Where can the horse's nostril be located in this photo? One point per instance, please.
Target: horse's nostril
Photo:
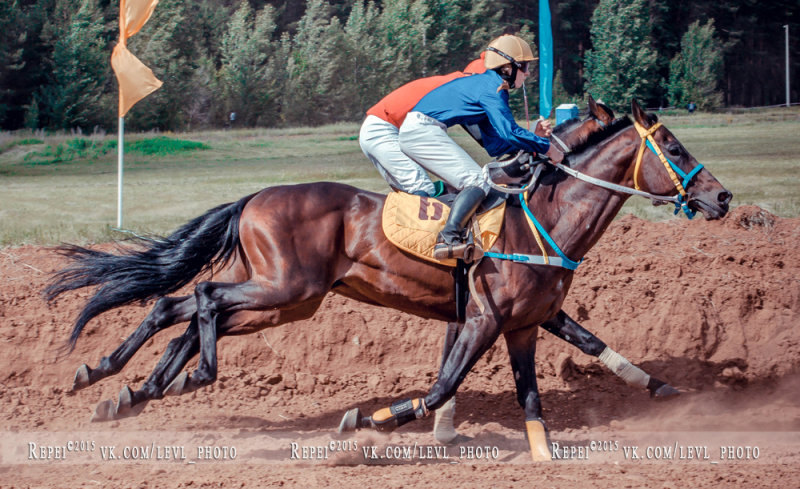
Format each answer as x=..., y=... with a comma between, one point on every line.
x=724, y=197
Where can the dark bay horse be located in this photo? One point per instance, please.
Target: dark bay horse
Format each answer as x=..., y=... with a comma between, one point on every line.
x=277, y=253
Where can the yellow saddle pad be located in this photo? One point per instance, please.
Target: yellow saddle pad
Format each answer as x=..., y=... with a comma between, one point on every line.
x=412, y=223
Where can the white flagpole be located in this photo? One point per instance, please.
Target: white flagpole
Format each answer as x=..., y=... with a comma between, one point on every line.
x=120, y=152
x=788, y=101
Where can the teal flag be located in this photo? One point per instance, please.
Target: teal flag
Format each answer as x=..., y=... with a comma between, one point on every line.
x=545, y=60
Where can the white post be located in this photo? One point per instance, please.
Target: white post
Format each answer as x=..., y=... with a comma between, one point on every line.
x=786, y=28
x=120, y=152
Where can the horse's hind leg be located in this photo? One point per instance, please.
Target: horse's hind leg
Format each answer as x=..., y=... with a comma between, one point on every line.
x=130, y=403
x=213, y=299
x=301, y=294
x=166, y=312
x=573, y=333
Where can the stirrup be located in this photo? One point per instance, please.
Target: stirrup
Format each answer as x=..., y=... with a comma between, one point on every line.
x=465, y=251
x=443, y=251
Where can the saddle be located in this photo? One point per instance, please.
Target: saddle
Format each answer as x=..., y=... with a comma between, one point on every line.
x=412, y=223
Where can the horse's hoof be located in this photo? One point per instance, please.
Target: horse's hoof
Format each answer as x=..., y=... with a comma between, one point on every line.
x=177, y=386
x=81, y=380
x=351, y=421
x=666, y=391
x=125, y=406
x=125, y=400
x=537, y=440
x=444, y=430
x=104, y=411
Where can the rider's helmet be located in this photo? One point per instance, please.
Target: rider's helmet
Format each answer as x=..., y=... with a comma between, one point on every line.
x=509, y=49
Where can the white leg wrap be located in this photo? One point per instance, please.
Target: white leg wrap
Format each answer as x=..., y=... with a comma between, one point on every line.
x=443, y=428
x=622, y=367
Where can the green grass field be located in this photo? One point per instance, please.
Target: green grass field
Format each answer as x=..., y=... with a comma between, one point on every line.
x=63, y=188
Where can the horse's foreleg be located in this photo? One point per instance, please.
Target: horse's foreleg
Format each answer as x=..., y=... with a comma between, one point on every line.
x=522, y=352
x=444, y=429
x=573, y=333
x=166, y=312
x=478, y=334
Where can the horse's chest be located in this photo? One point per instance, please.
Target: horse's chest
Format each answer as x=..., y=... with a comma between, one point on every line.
x=538, y=300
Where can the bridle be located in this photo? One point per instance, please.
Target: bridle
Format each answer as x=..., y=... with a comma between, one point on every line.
x=682, y=200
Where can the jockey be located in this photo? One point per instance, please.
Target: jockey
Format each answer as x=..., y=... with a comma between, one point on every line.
x=480, y=100
x=379, y=132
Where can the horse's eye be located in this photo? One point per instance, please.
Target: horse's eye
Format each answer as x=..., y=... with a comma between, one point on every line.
x=674, y=150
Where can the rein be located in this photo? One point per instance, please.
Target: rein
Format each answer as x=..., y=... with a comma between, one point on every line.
x=680, y=200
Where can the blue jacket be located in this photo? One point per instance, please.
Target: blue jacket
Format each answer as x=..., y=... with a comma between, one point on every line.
x=475, y=100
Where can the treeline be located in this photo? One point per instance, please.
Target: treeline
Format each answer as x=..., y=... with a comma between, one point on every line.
x=283, y=63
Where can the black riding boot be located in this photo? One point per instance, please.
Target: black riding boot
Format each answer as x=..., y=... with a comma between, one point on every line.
x=450, y=243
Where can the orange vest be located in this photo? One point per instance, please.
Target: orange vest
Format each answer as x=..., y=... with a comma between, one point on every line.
x=394, y=107
x=476, y=67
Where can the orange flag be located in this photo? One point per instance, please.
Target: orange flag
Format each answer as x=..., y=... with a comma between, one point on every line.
x=134, y=14
x=136, y=81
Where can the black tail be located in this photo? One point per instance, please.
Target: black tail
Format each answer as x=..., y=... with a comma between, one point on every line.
x=160, y=268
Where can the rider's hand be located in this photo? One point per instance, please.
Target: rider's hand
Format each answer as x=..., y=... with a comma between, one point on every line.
x=555, y=154
x=543, y=128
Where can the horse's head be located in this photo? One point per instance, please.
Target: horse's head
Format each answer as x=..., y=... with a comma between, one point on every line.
x=663, y=166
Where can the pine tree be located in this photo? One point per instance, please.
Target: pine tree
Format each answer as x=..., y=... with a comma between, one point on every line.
x=571, y=39
x=167, y=45
x=245, y=49
x=314, y=92
x=12, y=39
x=695, y=72
x=405, y=28
x=367, y=61
x=74, y=95
x=465, y=27
x=621, y=65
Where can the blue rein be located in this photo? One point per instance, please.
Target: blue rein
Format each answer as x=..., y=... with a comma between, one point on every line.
x=564, y=261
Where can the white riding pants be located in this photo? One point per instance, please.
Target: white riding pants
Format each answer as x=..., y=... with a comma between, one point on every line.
x=379, y=142
x=425, y=140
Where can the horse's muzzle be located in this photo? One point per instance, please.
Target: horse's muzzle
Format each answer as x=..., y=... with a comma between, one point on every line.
x=713, y=205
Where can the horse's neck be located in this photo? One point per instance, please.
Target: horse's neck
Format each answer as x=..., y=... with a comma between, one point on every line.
x=577, y=213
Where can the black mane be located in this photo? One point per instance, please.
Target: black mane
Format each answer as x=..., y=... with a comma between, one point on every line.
x=616, y=126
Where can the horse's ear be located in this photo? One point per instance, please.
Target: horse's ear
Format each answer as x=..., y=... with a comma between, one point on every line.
x=639, y=115
x=600, y=111
x=592, y=105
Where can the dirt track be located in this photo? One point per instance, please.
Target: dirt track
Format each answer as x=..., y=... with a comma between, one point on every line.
x=711, y=307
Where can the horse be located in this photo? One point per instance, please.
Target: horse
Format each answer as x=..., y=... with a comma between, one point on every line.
x=164, y=380
x=277, y=253
x=165, y=314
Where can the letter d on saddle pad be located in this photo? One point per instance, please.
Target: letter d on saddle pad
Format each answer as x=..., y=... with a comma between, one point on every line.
x=411, y=223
